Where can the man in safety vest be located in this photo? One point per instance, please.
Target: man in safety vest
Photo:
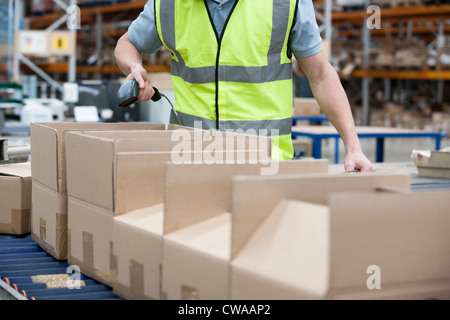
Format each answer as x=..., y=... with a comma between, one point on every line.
x=232, y=66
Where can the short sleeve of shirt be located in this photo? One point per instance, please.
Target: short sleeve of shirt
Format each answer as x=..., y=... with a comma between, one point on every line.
x=142, y=31
x=305, y=36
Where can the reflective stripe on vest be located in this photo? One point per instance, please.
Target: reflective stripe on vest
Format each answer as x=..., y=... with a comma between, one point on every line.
x=237, y=80
x=264, y=127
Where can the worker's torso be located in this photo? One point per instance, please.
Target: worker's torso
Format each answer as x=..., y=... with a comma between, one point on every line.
x=240, y=78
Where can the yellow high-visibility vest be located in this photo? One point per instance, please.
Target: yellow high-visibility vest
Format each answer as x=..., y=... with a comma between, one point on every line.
x=241, y=79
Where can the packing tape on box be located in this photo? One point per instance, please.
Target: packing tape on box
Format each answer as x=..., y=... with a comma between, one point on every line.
x=61, y=235
x=134, y=290
x=188, y=293
x=42, y=229
x=59, y=250
x=113, y=263
x=88, y=261
x=6, y=228
x=161, y=293
x=69, y=243
x=88, y=251
x=20, y=222
x=136, y=279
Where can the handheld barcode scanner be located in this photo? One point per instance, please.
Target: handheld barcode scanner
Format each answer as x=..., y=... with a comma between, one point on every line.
x=128, y=94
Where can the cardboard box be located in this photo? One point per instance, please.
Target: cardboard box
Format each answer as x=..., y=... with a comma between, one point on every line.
x=359, y=245
x=116, y=173
x=48, y=168
x=200, y=231
x=248, y=192
x=196, y=261
x=145, y=225
x=138, y=250
x=435, y=164
x=306, y=107
x=48, y=147
x=197, y=224
x=89, y=241
x=145, y=193
x=15, y=198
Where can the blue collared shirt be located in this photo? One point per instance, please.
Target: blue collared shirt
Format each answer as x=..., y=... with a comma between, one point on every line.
x=305, y=39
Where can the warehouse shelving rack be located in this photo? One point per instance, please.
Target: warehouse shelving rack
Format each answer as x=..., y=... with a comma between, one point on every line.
x=427, y=21
x=18, y=59
x=93, y=20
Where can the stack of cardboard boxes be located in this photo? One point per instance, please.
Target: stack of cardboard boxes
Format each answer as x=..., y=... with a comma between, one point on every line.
x=144, y=209
x=49, y=188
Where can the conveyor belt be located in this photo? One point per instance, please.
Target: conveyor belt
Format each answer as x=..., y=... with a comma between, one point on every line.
x=419, y=183
x=23, y=264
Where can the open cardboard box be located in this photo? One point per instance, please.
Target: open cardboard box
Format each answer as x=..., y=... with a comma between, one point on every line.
x=49, y=183
x=122, y=173
x=137, y=238
x=197, y=225
x=388, y=244
x=182, y=194
x=15, y=198
x=199, y=221
x=112, y=173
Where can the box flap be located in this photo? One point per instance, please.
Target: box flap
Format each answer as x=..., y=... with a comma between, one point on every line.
x=80, y=126
x=210, y=236
x=90, y=169
x=405, y=235
x=145, y=219
x=48, y=147
x=140, y=180
x=44, y=152
x=22, y=170
x=291, y=247
x=261, y=194
x=196, y=192
x=128, y=134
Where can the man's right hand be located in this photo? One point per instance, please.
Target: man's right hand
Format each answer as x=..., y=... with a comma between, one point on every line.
x=146, y=90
